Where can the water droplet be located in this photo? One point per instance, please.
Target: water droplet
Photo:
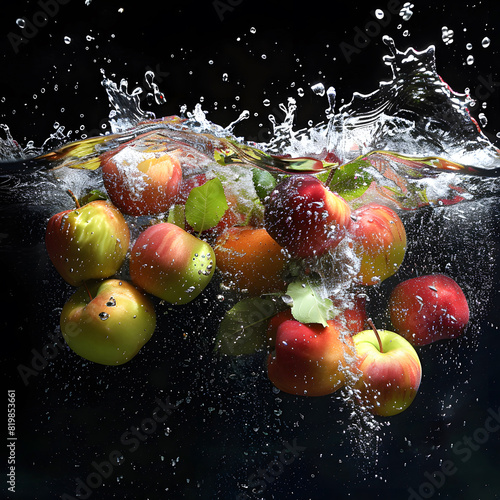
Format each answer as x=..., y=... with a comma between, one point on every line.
x=67, y=40
x=253, y=30
x=379, y=14
x=225, y=77
x=263, y=56
x=483, y=121
x=21, y=22
x=300, y=92
x=447, y=35
x=406, y=12
x=486, y=42
x=470, y=60
x=318, y=89
x=191, y=289
x=104, y=316
x=469, y=46
x=266, y=102
x=111, y=302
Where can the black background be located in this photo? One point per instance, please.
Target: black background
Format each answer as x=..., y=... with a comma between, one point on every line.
x=230, y=423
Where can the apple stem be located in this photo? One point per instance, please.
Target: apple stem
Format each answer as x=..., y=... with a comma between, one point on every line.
x=88, y=291
x=330, y=176
x=370, y=322
x=75, y=199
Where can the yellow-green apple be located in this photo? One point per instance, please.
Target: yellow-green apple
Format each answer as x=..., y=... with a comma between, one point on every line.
x=88, y=242
x=171, y=264
x=428, y=308
x=305, y=217
x=390, y=372
x=379, y=241
x=309, y=359
x=142, y=186
x=107, y=322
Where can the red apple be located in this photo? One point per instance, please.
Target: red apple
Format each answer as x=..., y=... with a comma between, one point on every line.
x=428, y=308
x=379, y=240
x=139, y=185
x=88, y=242
x=390, y=372
x=108, y=321
x=353, y=318
x=309, y=360
x=305, y=217
x=273, y=325
x=171, y=264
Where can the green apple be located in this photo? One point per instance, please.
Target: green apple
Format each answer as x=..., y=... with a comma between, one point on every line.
x=88, y=242
x=390, y=371
x=107, y=322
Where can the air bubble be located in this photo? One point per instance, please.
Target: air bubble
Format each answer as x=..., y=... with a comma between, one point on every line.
x=104, y=316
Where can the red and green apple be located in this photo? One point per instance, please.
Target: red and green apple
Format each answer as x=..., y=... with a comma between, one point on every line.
x=89, y=242
x=390, y=372
x=171, y=263
x=309, y=359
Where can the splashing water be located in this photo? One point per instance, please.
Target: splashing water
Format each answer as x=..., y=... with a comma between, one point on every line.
x=415, y=113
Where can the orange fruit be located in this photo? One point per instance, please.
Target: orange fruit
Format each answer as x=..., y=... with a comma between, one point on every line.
x=250, y=259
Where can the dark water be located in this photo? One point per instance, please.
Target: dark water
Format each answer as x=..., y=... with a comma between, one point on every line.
x=228, y=424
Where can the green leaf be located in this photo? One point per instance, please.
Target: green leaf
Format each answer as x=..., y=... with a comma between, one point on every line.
x=263, y=183
x=92, y=195
x=176, y=215
x=350, y=180
x=243, y=329
x=206, y=205
x=308, y=304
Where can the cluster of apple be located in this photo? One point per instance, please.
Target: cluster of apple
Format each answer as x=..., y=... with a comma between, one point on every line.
x=314, y=349
x=307, y=220
x=108, y=320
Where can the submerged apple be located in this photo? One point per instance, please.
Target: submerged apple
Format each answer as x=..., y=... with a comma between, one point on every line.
x=108, y=322
x=88, y=242
x=142, y=186
x=171, y=264
x=309, y=360
x=390, y=371
x=305, y=217
x=379, y=240
x=428, y=308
